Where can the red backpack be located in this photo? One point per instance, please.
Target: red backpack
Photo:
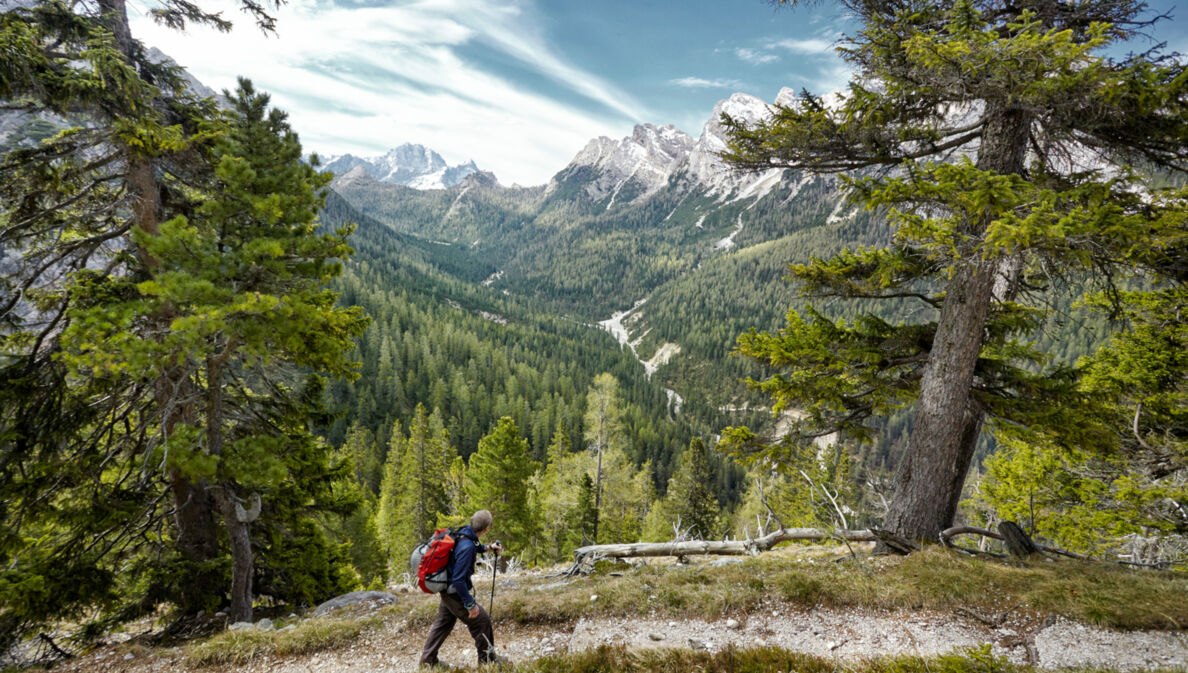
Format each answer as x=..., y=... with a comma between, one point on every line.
x=432, y=559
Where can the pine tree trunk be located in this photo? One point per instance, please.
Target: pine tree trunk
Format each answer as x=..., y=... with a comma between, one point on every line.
x=947, y=420
x=234, y=520
x=197, y=542
x=241, y=558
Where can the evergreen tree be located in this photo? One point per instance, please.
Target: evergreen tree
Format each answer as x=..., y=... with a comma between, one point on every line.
x=627, y=492
x=690, y=501
x=498, y=478
x=455, y=488
x=70, y=481
x=243, y=279
x=1125, y=494
x=359, y=530
x=989, y=113
x=557, y=494
x=423, y=471
x=392, y=487
x=579, y=521
x=363, y=450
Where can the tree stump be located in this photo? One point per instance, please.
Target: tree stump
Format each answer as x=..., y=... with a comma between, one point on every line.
x=893, y=543
x=1018, y=543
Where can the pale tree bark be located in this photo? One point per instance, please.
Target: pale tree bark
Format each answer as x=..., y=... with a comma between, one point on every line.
x=235, y=520
x=719, y=547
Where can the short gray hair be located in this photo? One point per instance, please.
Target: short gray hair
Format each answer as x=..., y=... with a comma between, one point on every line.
x=480, y=520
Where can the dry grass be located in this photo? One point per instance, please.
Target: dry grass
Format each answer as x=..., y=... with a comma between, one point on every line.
x=759, y=660
x=311, y=635
x=935, y=579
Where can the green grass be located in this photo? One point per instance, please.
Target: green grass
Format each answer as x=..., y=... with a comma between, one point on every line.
x=607, y=659
x=311, y=635
x=934, y=579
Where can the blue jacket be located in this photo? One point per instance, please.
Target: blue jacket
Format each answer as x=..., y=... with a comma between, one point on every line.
x=461, y=565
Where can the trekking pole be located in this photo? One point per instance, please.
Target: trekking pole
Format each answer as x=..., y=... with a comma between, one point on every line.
x=494, y=571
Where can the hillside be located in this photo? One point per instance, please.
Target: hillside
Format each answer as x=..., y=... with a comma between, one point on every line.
x=799, y=608
x=654, y=221
x=476, y=353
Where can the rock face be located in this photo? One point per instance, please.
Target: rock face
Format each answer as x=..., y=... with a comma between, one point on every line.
x=411, y=165
x=654, y=157
x=703, y=165
x=192, y=83
x=637, y=165
x=339, y=602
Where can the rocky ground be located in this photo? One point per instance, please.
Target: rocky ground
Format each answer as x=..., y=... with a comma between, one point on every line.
x=844, y=634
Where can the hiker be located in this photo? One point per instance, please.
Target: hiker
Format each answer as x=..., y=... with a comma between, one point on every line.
x=457, y=601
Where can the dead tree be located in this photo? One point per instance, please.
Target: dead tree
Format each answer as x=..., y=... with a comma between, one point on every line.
x=592, y=553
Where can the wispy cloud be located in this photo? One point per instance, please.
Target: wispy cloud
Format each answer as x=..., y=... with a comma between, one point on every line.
x=700, y=83
x=772, y=50
x=810, y=46
x=756, y=56
x=363, y=79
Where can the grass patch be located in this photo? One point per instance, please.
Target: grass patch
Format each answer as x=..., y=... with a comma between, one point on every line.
x=311, y=635
x=758, y=660
x=934, y=579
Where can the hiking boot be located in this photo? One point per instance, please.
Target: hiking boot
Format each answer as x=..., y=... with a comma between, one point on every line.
x=436, y=666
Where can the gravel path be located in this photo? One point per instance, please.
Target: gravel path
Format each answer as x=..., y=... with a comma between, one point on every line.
x=843, y=634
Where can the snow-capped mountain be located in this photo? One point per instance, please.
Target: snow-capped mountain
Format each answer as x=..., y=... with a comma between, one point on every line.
x=644, y=161
x=635, y=167
x=703, y=165
x=411, y=165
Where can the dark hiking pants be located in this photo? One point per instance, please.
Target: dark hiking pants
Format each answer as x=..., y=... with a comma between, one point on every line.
x=449, y=612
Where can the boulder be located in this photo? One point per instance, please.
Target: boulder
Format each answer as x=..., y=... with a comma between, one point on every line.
x=353, y=598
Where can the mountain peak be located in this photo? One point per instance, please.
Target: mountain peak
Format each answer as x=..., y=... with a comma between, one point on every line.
x=642, y=162
x=409, y=164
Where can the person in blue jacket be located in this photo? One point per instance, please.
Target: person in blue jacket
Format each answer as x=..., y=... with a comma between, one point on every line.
x=457, y=601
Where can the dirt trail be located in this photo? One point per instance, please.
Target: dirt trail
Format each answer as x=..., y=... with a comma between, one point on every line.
x=844, y=634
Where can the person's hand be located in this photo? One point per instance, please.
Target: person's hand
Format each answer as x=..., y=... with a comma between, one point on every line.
x=497, y=548
x=474, y=612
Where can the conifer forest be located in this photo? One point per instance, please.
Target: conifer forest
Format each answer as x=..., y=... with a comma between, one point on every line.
x=237, y=375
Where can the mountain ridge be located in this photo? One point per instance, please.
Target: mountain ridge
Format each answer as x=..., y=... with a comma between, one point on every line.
x=409, y=164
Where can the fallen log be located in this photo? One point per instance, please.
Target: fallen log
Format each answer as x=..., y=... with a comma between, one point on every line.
x=948, y=534
x=715, y=547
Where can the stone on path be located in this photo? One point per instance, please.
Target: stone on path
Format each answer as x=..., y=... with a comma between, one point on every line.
x=339, y=602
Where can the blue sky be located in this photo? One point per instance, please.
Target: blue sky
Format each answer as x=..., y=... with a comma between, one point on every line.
x=519, y=86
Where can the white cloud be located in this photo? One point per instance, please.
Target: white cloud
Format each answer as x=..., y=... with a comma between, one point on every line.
x=808, y=47
x=363, y=79
x=755, y=56
x=769, y=52
x=699, y=83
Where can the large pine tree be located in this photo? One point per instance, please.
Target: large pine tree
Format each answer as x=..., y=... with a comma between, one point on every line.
x=498, y=478
x=132, y=156
x=243, y=281
x=996, y=137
